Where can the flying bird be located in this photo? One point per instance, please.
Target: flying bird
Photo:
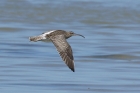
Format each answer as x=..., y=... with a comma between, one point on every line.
x=58, y=38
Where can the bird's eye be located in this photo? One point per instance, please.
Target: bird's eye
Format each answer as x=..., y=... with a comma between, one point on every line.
x=71, y=32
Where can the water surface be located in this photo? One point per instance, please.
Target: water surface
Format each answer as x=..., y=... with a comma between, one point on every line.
x=106, y=61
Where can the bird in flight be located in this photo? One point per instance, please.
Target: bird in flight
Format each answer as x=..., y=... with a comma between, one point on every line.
x=58, y=38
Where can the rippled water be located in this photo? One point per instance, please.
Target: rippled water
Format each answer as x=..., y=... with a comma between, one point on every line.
x=106, y=61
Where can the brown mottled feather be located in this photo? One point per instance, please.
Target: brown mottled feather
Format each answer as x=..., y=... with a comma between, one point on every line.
x=64, y=50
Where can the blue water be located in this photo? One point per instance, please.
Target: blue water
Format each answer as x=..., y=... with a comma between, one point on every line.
x=106, y=61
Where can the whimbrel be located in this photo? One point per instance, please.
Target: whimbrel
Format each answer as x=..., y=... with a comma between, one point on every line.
x=58, y=37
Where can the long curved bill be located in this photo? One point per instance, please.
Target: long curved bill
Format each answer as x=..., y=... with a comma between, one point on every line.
x=79, y=35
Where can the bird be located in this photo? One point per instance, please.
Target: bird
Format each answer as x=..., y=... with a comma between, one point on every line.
x=58, y=38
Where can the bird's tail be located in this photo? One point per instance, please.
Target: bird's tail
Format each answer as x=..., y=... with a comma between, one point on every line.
x=36, y=38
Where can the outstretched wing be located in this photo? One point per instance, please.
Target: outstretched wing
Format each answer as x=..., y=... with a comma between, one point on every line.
x=64, y=50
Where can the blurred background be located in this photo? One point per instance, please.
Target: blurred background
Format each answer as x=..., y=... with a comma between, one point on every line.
x=106, y=61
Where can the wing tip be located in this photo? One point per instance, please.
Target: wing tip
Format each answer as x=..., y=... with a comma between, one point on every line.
x=72, y=69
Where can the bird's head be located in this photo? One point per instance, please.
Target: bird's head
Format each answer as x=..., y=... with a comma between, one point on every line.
x=74, y=34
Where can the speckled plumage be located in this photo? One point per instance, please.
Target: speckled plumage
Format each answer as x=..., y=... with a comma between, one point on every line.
x=58, y=37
